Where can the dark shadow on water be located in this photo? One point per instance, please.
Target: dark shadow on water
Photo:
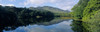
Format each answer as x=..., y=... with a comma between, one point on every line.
x=81, y=26
x=77, y=26
x=11, y=22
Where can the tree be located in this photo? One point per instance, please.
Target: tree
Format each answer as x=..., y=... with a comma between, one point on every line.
x=79, y=8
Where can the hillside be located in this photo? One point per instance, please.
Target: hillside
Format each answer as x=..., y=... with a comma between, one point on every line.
x=89, y=12
x=57, y=12
x=53, y=9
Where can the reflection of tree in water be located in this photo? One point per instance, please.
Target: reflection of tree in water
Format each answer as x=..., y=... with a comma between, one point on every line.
x=92, y=27
x=7, y=19
x=78, y=27
x=33, y=21
x=54, y=21
x=13, y=17
x=11, y=22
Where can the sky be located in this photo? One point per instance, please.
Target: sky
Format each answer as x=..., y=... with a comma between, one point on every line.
x=62, y=4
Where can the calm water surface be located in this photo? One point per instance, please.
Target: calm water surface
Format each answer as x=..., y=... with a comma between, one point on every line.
x=46, y=25
x=55, y=25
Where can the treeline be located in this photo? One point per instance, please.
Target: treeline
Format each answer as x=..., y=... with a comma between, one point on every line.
x=15, y=16
x=26, y=12
x=89, y=12
x=77, y=10
x=86, y=10
x=56, y=11
x=10, y=14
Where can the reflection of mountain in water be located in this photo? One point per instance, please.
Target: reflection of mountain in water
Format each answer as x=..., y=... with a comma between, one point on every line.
x=12, y=25
x=54, y=21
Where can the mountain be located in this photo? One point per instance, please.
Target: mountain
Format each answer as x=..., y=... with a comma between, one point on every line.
x=57, y=12
x=53, y=9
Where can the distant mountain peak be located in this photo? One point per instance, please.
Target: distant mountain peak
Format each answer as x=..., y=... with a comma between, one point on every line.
x=52, y=9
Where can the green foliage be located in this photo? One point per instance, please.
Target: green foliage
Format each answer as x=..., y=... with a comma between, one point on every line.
x=77, y=26
x=93, y=26
x=91, y=15
x=14, y=17
x=11, y=14
x=79, y=8
x=85, y=9
x=91, y=9
x=57, y=12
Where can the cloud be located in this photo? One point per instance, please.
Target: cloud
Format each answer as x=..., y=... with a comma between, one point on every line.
x=65, y=4
x=1, y=4
x=7, y=4
x=11, y=0
x=62, y=4
x=35, y=2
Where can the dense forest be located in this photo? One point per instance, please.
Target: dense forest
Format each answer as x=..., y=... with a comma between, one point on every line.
x=89, y=12
x=78, y=9
x=56, y=11
x=13, y=15
x=86, y=10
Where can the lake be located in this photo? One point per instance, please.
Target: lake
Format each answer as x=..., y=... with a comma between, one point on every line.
x=48, y=25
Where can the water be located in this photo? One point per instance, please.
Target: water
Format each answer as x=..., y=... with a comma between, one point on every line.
x=49, y=25
x=63, y=26
x=40, y=25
